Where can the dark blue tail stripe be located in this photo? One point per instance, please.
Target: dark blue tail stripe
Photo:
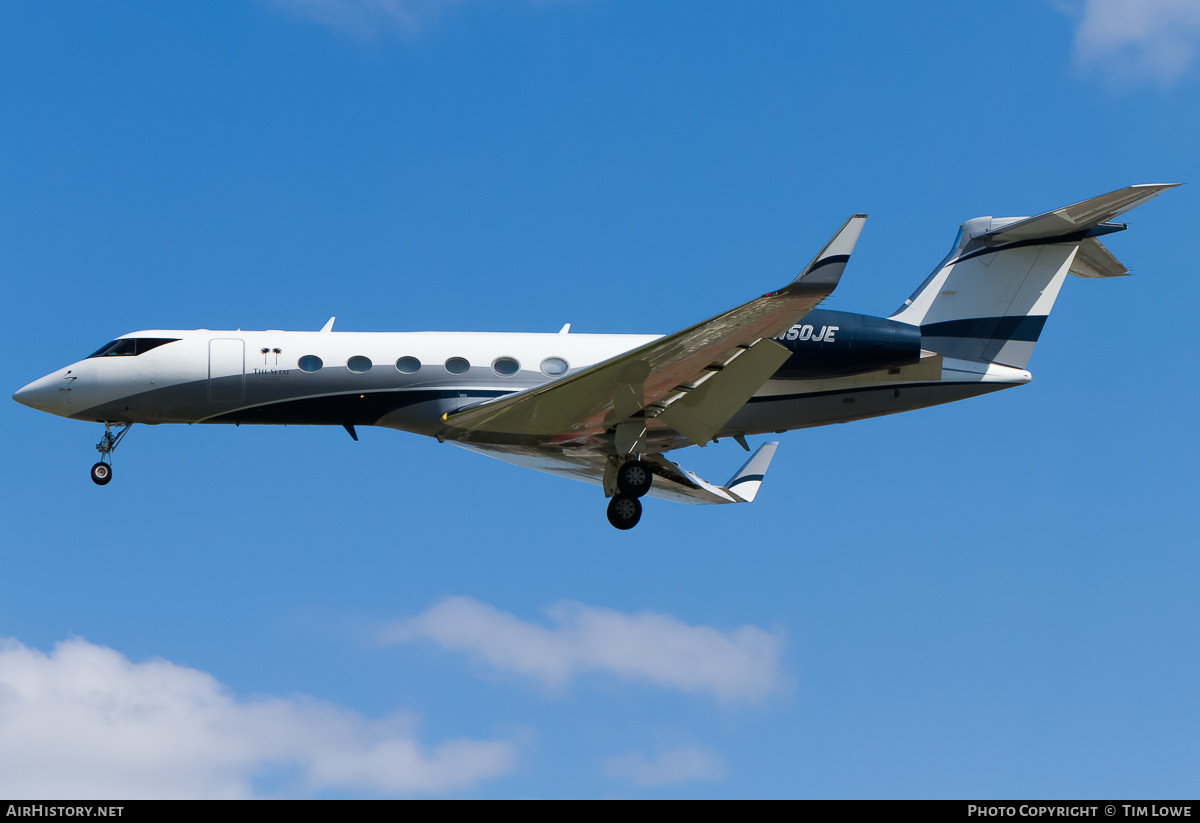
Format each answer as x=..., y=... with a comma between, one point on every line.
x=1028, y=327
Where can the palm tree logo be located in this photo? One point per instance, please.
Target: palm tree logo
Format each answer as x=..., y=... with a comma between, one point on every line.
x=265, y=352
x=277, y=351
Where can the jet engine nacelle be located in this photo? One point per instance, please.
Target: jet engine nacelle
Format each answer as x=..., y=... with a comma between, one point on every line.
x=834, y=344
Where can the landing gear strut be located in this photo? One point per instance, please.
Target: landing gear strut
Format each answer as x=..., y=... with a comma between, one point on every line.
x=633, y=480
x=102, y=471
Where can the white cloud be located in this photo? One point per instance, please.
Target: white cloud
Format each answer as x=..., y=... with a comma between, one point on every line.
x=1136, y=40
x=742, y=664
x=680, y=765
x=368, y=18
x=85, y=721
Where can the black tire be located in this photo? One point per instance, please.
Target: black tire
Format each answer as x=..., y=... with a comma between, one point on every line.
x=101, y=474
x=624, y=511
x=634, y=478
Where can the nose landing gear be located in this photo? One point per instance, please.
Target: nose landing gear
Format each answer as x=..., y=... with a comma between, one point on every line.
x=102, y=471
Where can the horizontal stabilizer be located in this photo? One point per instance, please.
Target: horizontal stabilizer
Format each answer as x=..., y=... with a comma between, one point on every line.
x=1075, y=218
x=1093, y=260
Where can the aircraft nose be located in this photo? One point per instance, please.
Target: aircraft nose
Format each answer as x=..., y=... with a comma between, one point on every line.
x=42, y=394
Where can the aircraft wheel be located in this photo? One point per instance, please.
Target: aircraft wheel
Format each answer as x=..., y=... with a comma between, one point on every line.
x=624, y=511
x=634, y=478
x=101, y=474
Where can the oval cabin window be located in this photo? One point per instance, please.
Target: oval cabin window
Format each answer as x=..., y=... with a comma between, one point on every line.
x=554, y=366
x=506, y=366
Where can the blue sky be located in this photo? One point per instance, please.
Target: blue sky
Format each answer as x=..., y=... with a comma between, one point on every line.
x=989, y=599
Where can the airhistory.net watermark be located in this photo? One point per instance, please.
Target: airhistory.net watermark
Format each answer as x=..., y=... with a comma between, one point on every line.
x=42, y=810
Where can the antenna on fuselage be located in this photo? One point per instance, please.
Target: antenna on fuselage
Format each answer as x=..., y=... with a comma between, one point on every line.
x=329, y=325
x=566, y=328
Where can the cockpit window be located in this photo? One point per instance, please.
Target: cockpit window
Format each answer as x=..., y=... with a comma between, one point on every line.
x=116, y=347
x=131, y=346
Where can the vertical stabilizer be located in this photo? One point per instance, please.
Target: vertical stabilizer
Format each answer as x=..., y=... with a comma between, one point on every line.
x=989, y=299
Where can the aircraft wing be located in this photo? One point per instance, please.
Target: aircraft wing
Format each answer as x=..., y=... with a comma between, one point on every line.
x=692, y=381
x=671, y=482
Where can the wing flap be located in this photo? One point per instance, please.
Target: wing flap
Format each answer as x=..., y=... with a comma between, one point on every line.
x=699, y=413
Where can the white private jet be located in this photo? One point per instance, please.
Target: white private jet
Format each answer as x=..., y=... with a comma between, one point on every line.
x=605, y=408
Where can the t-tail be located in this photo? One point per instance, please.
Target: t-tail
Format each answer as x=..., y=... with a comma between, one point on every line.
x=989, y=299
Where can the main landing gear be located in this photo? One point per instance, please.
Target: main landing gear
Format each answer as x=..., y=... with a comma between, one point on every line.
x=102, y=471
x=633, y=479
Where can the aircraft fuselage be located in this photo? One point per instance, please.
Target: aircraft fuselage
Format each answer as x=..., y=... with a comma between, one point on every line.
x=842, y=367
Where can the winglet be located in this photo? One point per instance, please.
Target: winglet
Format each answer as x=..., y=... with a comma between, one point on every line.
x=748, y=478
x=827, y=266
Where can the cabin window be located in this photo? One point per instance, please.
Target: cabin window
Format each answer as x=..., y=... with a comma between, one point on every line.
x=359, y=364
x=310, y=362
x=554, y=366
x=506, y=366
x=457, y=365
x=408, y=365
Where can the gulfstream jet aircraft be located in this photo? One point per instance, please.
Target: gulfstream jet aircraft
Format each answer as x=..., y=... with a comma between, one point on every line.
x=607, y=408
